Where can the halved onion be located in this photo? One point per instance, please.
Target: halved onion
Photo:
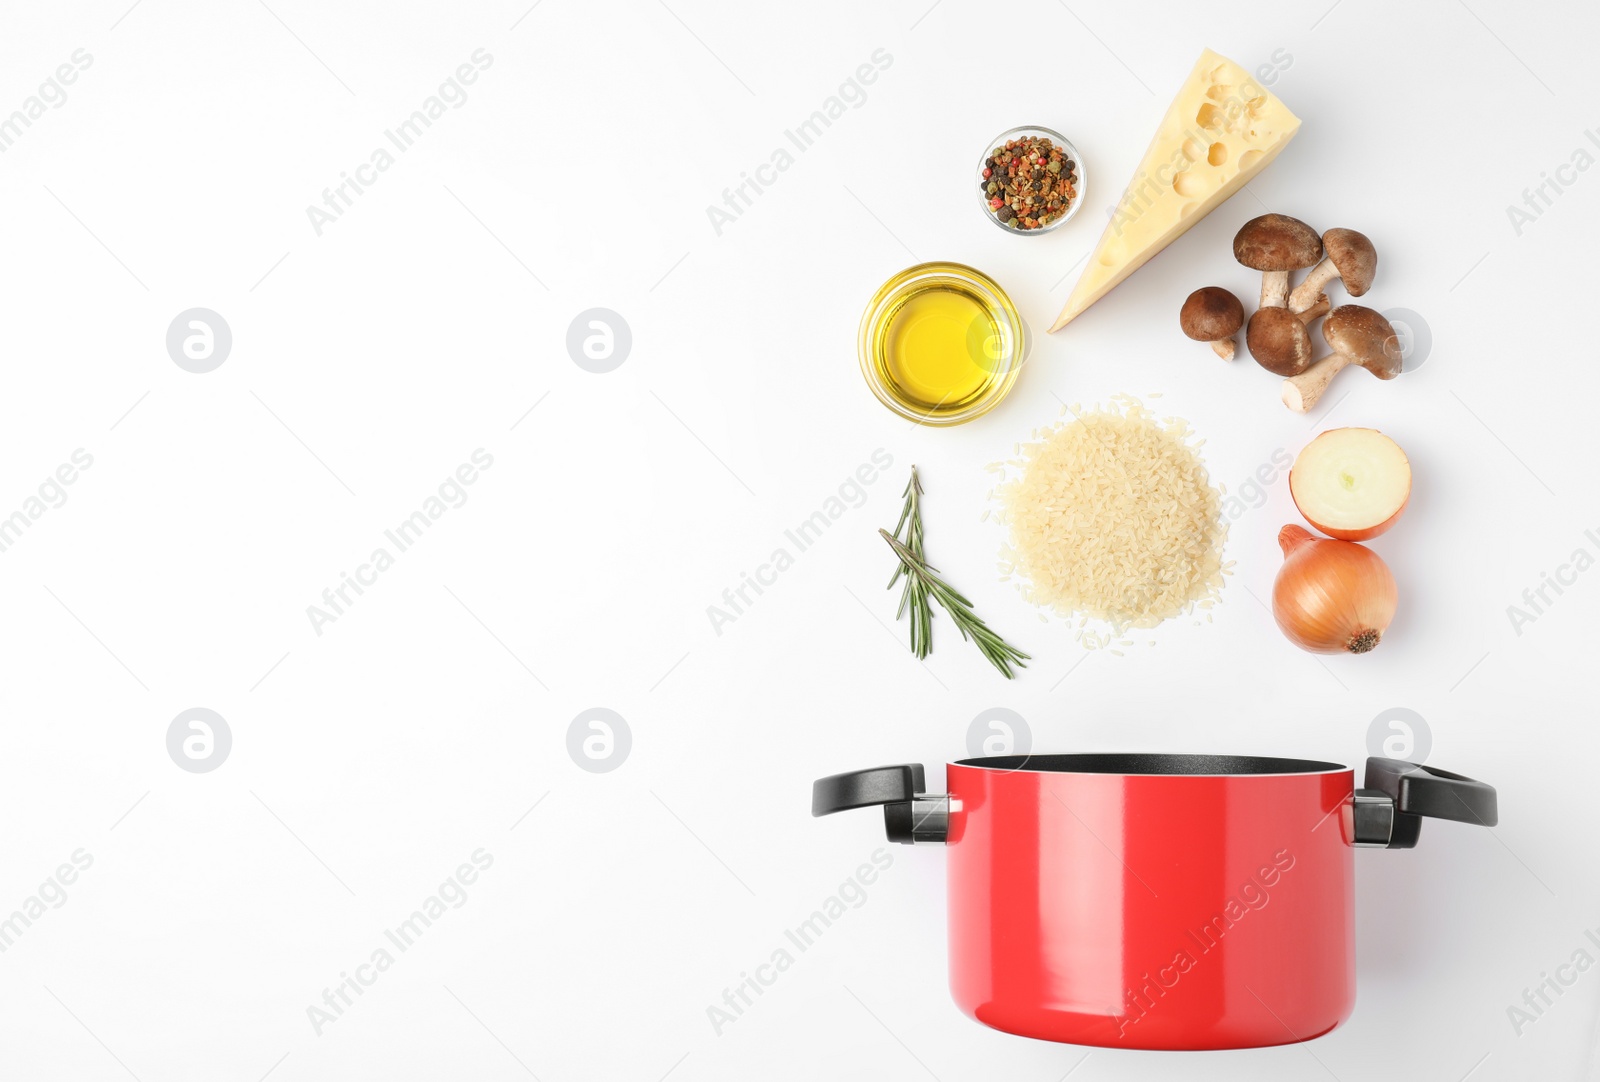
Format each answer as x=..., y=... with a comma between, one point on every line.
x=1351, y=483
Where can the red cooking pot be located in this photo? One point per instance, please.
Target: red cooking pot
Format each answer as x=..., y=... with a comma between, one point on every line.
x=1156, y=901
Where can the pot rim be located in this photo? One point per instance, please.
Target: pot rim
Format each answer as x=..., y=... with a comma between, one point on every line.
x=1153, y=765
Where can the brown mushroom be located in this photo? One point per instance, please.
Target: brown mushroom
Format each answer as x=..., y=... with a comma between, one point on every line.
x=1276, y=244
x=1277, y=338
x=1351, y=258
x=1357, y=335
x=1213, y=315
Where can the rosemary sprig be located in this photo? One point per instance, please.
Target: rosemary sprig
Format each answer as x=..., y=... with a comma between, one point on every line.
x=915, y=594
x=924, y=585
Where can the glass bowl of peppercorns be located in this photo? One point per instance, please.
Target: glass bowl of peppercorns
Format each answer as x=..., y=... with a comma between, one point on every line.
x=1030, y=180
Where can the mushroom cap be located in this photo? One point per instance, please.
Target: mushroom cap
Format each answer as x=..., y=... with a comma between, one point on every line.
x=1355, y=257
x=1279, y=341
x=1211, y=313
x=1365, y=337
x=1277, y=242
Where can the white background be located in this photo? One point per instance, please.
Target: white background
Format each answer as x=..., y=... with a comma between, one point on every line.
x=370, y=361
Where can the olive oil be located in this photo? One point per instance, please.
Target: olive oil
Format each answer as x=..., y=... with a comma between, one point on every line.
x=939, y=348
x=940, y=344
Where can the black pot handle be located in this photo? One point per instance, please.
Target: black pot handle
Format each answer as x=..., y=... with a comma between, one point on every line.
x=1412, y=791
x=864, y=788
x=910, y=815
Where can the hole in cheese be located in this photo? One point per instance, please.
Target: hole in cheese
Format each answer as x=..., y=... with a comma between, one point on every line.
x=1187, y=184
x=1210, y=117
x=1248, y=159
x=1218, y=154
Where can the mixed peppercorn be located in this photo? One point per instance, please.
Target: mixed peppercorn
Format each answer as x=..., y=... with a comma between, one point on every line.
x=1029, y=182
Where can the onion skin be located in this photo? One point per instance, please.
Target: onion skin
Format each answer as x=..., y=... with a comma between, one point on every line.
x=1330, y=596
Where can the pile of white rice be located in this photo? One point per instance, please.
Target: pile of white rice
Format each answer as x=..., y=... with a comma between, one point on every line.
x=1112, y=517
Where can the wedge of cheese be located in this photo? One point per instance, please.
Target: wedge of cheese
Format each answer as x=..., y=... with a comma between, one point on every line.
x=1220, y=131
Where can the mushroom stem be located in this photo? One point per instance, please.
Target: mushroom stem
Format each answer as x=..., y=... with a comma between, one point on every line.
x=1316, y=310
x=1274, y=288
x=1305, y=294
x=1302, y=392
x=1224, y=348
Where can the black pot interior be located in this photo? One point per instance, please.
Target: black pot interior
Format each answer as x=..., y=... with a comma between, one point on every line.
x=1143, y=763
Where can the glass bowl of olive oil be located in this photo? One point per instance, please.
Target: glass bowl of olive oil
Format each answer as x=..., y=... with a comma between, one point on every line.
x=941, y=343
